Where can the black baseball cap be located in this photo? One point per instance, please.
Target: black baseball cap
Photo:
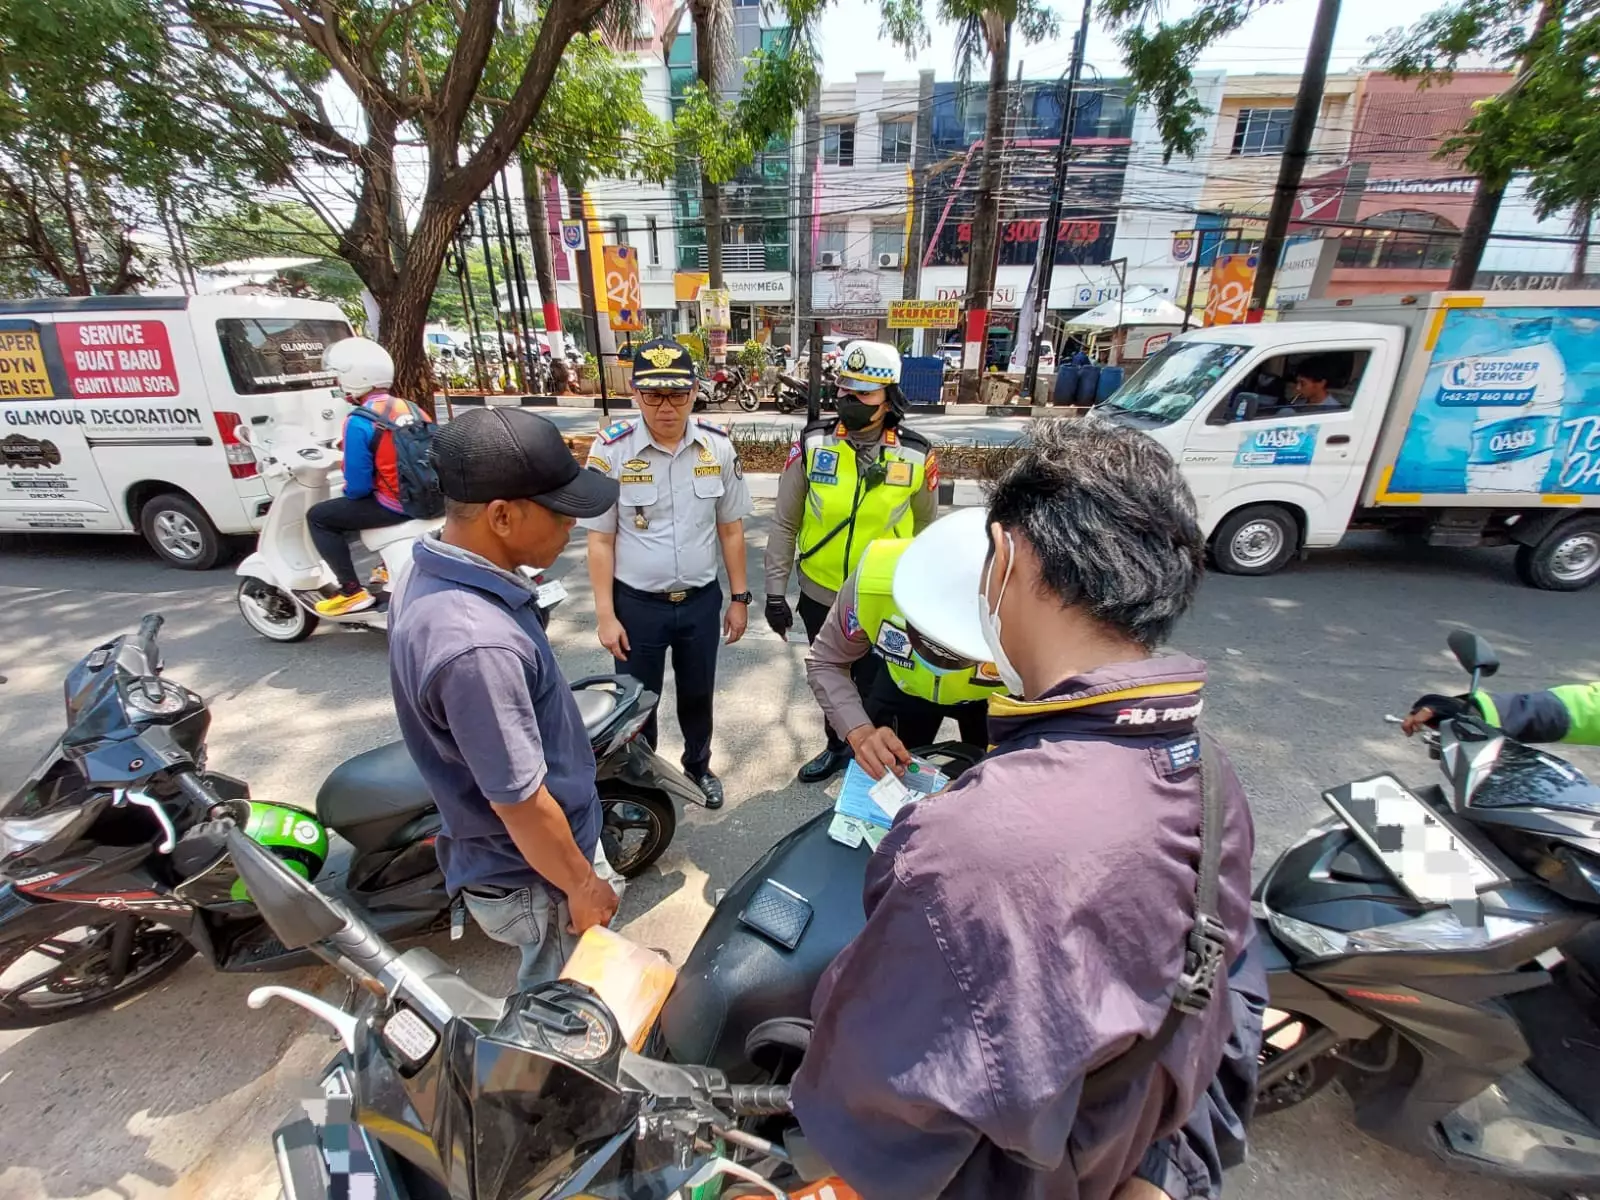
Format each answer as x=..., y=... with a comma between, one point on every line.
x=512, y=454
x=663, y=365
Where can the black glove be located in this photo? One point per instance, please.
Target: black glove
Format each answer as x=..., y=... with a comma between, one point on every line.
x=780, y=617
x=1443, y=707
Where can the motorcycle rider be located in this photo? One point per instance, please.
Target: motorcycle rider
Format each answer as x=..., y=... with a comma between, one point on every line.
x=371, y=497
x=1032, y=922
x=1568, y=712
x=848, y=481
x=921, y=681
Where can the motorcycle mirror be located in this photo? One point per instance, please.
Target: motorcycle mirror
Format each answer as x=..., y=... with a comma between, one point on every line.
x=1474, y=653
x=242, y=433
x=296, y=911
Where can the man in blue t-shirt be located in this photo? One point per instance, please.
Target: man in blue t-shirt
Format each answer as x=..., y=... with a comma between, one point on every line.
x=483, y=706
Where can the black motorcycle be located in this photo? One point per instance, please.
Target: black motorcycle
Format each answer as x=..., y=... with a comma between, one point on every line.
x=791, y=392
x=112, y=865
x=445, y=1093
x=542, y=1072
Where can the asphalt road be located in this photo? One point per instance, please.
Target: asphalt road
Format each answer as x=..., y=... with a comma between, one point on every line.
x=176, y=1092
x=980, y=430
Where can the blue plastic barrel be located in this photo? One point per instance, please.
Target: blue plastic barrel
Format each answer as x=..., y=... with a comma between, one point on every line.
x=1088, y=382
x=1066, y=385
x=1110, y=381
x=922, y=379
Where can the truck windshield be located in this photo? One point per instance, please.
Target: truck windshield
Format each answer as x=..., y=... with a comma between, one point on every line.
x=1168, y=385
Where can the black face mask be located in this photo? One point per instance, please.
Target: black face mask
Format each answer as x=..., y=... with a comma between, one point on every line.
x=855, y=415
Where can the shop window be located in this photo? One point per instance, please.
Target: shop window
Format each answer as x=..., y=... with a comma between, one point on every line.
x=1404, y=239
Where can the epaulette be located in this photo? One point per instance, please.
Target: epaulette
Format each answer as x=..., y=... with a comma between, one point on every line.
x=616, y=431
x=910, y=437
x=704, y=424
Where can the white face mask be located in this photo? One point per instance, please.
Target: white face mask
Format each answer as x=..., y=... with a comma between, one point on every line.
x=989, y=618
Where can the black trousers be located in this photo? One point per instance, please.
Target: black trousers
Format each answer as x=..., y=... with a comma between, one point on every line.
x=863, y=671
x=917, y=720
x=333, y=521
x=691, y=631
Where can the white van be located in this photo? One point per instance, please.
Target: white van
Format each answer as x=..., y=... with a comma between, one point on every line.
x=118, y=413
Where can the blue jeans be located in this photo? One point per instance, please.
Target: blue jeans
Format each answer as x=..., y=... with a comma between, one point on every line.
x=532, y=920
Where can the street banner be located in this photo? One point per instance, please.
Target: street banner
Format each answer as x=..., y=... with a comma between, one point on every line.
x=714, y=312
x=924, y=314
x=1228, y=301
x=717, y=344
x=572, y=235
x=624, y=299
x=1183, y=244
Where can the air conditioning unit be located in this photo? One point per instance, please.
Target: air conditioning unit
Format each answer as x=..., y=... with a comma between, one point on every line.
x=888, y=260
x=830, y=258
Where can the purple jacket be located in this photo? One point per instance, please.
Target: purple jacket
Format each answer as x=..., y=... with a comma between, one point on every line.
x=1023, y=928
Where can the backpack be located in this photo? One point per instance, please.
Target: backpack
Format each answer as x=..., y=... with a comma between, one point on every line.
x=421, y=498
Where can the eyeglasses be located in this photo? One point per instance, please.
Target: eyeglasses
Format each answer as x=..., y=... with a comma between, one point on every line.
x=660, y=399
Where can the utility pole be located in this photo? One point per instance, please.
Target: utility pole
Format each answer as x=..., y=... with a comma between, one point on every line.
x=921, y=156
x=1307, y=105
x=981, y=256
x=535, y=204
x=494, y=299
x=808, y=256
x=1047, y=239
x=591, y=316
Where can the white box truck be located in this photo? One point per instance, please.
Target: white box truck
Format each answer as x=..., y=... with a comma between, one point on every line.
x=119, y=413
x=1468, y=418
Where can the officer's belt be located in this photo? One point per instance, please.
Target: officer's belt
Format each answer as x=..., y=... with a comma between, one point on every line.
x=677, y=596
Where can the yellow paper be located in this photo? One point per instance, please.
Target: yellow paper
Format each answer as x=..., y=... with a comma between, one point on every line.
x=632, y=981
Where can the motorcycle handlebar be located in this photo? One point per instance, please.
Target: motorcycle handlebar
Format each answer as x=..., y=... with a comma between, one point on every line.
x=758, y=1100
x=145, y=638
x=193, y=787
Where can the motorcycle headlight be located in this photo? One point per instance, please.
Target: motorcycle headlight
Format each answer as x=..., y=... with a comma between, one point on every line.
x=1440, y=930
x=1306, y=937
x=20, y=834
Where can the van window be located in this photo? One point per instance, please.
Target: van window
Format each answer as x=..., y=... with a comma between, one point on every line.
x=1168, y=385
x=1296, y=385
x=277, y=356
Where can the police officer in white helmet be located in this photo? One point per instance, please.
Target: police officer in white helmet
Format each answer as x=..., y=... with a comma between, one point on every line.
x=850, y=480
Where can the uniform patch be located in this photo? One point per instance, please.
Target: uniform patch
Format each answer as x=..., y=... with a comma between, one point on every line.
x=852, y=622
x=713, y=469
x=636, y=464
x=898, y=474
x=1177, y=757
x=891, y=438
x=738, y=467
x=645, y=478
x=986, y=672
x=599, y=464
x=795, y=451
x=894, y=644
x=931, y=471
x=825, y=466
x=616, y=430
x=705, y=454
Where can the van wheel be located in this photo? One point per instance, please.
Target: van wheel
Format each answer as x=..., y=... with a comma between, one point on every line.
x=1255, y=541
x=1566, y=559
x=180, y=532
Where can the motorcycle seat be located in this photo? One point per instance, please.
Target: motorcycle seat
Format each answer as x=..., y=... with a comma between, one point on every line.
x=595, y=706
x=387, y=535
x=373, y=795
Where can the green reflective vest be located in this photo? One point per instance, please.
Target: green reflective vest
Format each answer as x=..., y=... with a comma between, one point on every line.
x=845, y=513
x=886, y=629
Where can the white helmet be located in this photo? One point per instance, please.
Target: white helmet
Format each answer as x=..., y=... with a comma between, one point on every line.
x=868, y=366
x=361, y=364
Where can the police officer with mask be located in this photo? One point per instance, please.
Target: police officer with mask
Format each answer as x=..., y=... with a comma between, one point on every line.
x=653, y=555
x=848, y=482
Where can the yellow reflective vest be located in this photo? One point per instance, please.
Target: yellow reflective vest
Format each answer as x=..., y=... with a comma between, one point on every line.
x=884, y=626
x=847, y=509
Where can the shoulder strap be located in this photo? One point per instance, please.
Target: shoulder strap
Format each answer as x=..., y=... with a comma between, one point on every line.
x=1203, y=955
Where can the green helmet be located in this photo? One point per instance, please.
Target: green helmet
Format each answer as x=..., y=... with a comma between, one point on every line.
x=293, y=835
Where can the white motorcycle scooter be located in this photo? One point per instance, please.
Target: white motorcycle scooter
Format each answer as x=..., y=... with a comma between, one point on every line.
x=282, y=581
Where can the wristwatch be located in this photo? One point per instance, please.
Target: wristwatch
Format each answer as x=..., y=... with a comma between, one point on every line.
x=741, y=597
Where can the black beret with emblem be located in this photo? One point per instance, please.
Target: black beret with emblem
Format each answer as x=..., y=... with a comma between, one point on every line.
x=662, y=365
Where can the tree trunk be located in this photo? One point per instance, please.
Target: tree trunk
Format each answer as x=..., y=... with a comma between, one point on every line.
x=986, y=217
x=705, y=64
x=1582, y=218
x=1475, y=235
x=533, y=200
x=403, y=311
x=79, y=284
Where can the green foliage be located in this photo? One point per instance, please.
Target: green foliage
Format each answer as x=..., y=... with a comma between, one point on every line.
x=1548, y=122
x=753, y=357
x=279, y=229
x=978, y=24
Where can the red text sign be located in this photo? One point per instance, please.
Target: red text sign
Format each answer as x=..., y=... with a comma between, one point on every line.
x=124, y=360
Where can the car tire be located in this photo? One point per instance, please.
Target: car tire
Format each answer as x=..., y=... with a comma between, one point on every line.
x=179, y=531
x=1257, y=540
x=1567, y=559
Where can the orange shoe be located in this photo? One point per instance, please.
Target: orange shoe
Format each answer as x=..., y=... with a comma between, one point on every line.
x=342, y=604
x=379, y=579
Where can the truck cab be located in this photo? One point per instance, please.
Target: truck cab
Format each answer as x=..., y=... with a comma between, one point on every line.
x=1274, y=427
